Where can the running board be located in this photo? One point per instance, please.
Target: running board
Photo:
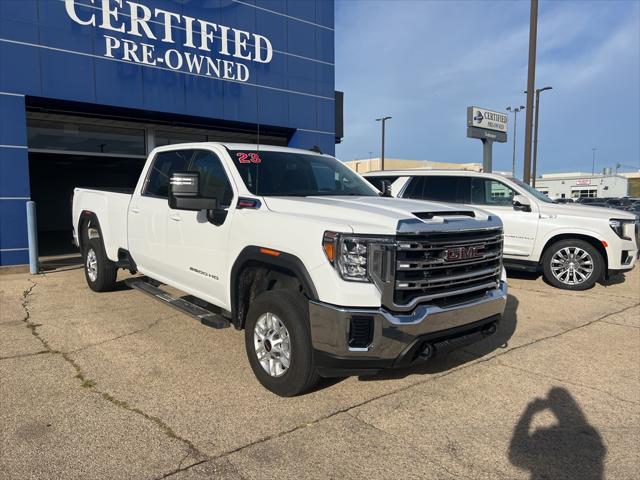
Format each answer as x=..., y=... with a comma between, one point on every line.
x=206, y=317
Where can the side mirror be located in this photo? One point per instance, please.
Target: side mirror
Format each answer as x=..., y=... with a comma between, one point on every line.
x=521, y=203
x=386, y=189
x=184, y=193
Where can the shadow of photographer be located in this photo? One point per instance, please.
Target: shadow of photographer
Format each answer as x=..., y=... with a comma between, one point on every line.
x=571, y=448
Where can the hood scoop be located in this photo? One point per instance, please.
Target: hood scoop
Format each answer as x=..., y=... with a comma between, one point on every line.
x=447, y=213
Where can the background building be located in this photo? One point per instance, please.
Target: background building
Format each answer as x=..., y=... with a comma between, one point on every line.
x=88, y=88
x=634, y=183
x=374, y=164
x=579, y=184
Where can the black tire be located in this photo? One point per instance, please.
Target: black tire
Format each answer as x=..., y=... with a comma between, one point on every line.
x=573, y=245
x=291, y=308
x=103, y=278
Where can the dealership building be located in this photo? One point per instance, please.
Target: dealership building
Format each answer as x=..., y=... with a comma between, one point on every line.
x=580, y=185
x=89, y=87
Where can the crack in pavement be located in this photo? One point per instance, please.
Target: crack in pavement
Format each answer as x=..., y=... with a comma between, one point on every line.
x=183, y=469
x=22, y=355
x=569, y=382
x=91, y=384
x=637, y=327
x=108, y=340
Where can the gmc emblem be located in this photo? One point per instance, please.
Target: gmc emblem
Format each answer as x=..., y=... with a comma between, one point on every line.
x=456, y=254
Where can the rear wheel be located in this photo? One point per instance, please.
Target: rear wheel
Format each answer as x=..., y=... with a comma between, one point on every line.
x=572, y=265
x=99, y=271
x=278, y=343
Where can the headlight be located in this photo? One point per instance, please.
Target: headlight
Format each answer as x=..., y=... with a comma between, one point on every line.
x=349, y=254
x=622, y=228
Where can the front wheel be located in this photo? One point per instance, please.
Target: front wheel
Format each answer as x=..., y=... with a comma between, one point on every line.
x=572, y=265
x=278, y=343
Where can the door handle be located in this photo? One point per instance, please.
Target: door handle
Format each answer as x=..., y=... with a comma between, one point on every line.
x=175, y=217
x=134, y=209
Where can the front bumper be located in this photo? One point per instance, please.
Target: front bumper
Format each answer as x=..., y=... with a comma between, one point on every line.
x=399, y=339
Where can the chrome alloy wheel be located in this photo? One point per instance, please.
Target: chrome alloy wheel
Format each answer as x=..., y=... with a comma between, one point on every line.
x=272, y=344
x=572, y=265
x=92, y=265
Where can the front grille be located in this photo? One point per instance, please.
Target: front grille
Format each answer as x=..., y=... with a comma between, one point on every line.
x=447, y=268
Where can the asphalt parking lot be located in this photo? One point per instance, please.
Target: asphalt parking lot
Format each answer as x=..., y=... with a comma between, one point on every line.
x=117, y=385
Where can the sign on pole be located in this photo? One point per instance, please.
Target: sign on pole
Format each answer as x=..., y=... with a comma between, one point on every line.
x=486, y=119
x=489, y=126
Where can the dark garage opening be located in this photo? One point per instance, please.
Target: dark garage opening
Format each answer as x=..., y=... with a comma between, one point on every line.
x=53, y=177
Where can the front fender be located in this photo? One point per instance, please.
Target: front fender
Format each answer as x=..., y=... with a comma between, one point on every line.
x=565, y=231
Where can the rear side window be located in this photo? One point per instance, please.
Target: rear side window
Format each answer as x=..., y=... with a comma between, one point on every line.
x=164, y=165
x=439, y=189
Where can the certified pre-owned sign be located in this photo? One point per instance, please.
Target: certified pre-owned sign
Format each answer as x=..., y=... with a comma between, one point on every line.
x=203, y=48
x=487, y=119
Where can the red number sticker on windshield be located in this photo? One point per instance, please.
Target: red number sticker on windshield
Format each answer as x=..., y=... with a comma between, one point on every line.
x=248, y=157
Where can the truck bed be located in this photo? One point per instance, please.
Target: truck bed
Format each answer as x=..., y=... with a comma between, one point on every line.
x=110, y=206
x=124, y=190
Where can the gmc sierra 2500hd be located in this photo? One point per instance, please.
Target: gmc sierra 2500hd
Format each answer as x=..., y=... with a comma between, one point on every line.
x=326, y=277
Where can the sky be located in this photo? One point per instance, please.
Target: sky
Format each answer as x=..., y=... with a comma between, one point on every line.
x=424, y=61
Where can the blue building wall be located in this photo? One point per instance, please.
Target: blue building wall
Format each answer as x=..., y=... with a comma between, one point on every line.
x=45, y=53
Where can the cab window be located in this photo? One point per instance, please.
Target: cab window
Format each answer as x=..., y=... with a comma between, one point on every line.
x=214, y=182
x=490, y=192
x=165, y=163
x=213, y=179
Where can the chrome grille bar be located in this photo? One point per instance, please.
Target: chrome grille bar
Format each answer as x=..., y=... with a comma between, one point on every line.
x=439, y=263
x=446, y=281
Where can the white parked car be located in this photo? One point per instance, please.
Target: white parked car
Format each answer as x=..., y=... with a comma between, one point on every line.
x=325, y=276
x=574, y=245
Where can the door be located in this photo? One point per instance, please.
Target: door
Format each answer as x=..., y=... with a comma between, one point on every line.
x=147, y=215
x=197, y=246
x=520, y=227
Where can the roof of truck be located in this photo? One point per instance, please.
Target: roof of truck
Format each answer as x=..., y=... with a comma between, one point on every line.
x=243, y=146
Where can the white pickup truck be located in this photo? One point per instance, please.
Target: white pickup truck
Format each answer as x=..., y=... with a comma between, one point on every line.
x=326, y=277
x=574, y=245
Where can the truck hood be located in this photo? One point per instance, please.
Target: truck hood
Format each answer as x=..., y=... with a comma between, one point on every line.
x=378, y=215
x=584, y=211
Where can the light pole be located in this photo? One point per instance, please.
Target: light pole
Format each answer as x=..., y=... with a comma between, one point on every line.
x=531, y=81
x=593, y=161
x=515, y=111
x=383, y=120
x=535, y=135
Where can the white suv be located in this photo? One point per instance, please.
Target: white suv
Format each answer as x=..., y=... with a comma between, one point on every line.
x=573, y=245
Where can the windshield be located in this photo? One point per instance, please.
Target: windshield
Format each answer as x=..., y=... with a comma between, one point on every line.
x=540, y=196
x=286, y=174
